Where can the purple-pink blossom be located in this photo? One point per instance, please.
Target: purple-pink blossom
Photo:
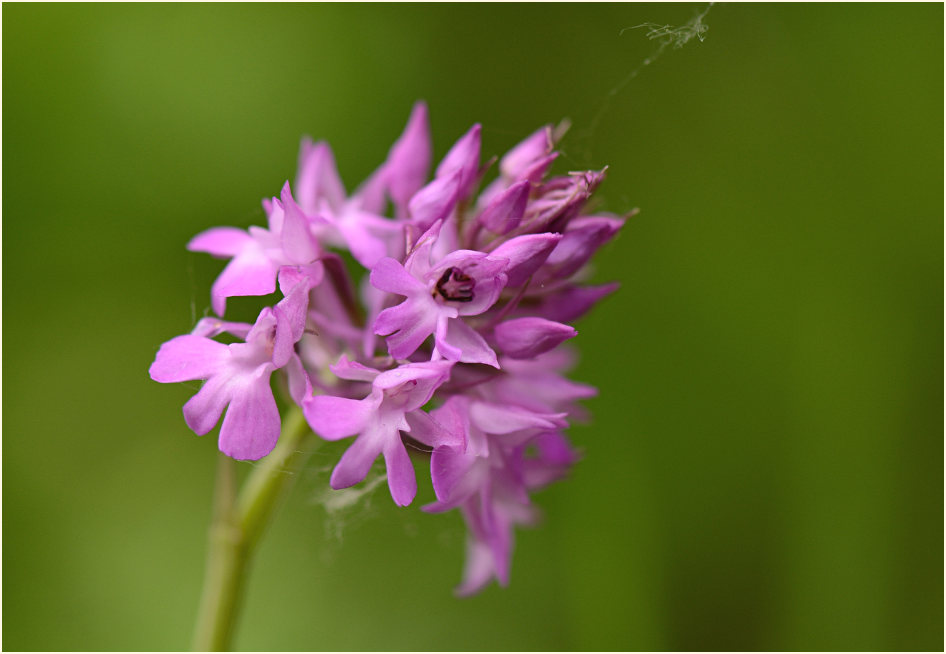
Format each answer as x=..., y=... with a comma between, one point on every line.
x=378, y=420
x=237, y=377
x=441, y=341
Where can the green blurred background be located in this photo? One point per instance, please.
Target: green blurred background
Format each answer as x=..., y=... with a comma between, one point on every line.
x=763, y=470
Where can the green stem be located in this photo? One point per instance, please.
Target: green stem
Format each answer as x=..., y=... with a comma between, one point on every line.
x=238, y=523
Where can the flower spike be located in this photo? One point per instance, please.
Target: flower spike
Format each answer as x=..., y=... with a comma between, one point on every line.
x=417, y=316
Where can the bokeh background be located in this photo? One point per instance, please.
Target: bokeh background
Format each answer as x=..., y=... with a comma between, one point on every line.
x=764, y=466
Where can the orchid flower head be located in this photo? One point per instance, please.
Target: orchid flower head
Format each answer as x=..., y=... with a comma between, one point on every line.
x=421, y=318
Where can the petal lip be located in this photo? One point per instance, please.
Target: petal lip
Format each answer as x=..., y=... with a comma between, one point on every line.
x=251, y=427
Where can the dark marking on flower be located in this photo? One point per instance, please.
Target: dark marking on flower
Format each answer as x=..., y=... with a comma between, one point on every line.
x=270, y=342
x=455, y=286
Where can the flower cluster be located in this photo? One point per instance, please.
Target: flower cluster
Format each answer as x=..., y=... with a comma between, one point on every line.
x=450, y=346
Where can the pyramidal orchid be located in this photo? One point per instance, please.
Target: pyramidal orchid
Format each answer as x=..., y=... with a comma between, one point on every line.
x=449, y=347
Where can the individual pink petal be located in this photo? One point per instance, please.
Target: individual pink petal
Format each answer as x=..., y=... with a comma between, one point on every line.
x=409, y=323
x=260, y=338
x=503, y=213
x=300, y=388
x=186, y=358
x=463, y=158
x=369, y=237
x=274, y=216
x=524, y=338
x=533, y=174
x=390, y=276
x=537, y=384
x=251, y=427
x=501, y=546
x=454, y=416
x=408, y=161
x=290, y=313
x=369, y=196
x=573, y=302
x=292, y=276
x=579, y=242
x=421, y=247
x=450, y=470
x=220, y=241
x=356, y=461
x=202, y=411
x=496, y=419
x=295, y=282
x=373, y=301
x=249, y=273
x=333, y=417
x=555, y=449
x=555, y=457
x=352, y=370
x=318, y=178
x=435, y=201
x=463, y=339
x=478, y=569
x=536, y=146
x=525, y=254
x=442, y=347
x=401, y=479
x=297, y=241
x=537, y=170
x=425, y=429
x=437, y=507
